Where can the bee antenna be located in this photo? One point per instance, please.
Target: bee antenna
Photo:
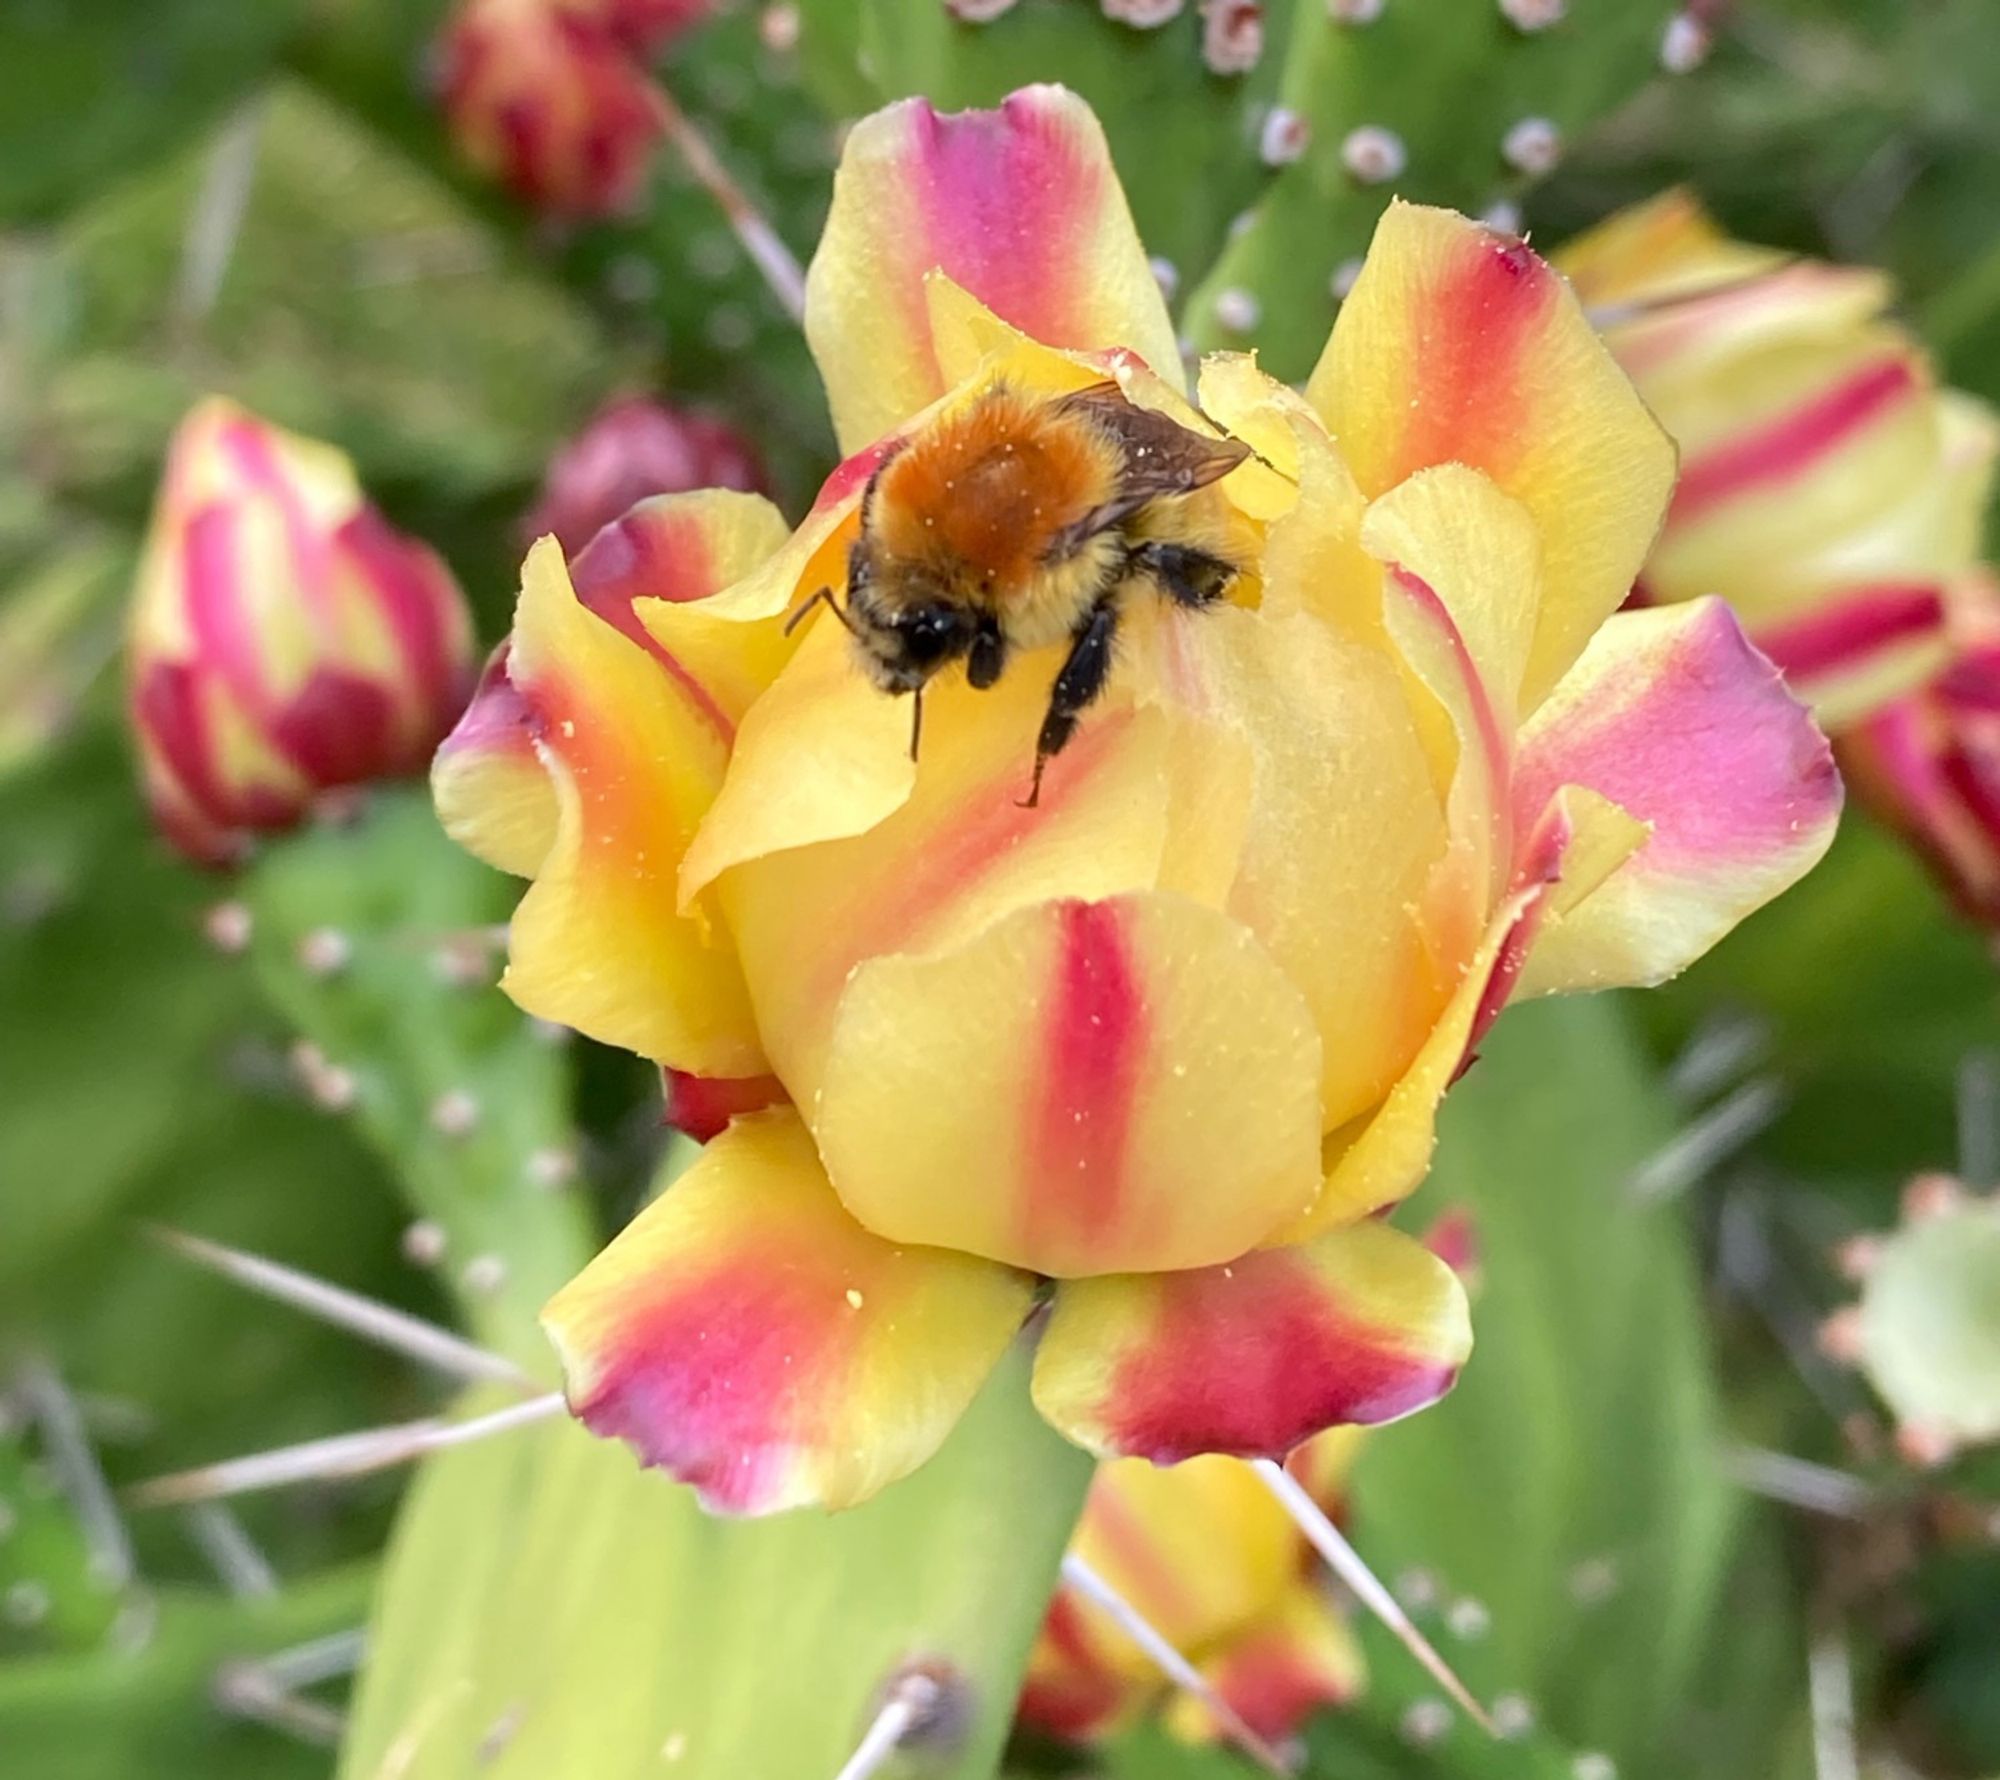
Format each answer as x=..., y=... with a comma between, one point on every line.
x=825, y=594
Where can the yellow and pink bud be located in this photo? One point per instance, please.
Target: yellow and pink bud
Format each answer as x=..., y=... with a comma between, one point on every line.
x=1829, y=489
x=285, y=639
x=1928, y=763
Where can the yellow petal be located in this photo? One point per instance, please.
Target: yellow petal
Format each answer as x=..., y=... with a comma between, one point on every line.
x=1341, y=829
x=1459, y=345
x=1202, y=1549
x=634, y=756
x=1301, y=1658
x=492, y=795
x=1084, y=1088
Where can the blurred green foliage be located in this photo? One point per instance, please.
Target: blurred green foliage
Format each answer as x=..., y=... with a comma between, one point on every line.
x=196, y=195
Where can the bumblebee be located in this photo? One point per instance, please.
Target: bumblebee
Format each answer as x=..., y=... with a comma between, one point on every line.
x=1016, y=522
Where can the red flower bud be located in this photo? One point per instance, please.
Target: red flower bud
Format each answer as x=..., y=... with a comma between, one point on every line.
x=285, y=638
x=549, y=99
x=1929, y=763
x=648, y=25
x=631, y=448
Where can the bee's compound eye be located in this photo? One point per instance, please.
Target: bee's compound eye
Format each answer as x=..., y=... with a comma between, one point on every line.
x=930, y=633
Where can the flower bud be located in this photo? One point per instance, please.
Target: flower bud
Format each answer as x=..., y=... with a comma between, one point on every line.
x=631, y=448
x=1829, y=489
x=548, y=99
x=1929, y=763
x=285, y=639
x=647, y=25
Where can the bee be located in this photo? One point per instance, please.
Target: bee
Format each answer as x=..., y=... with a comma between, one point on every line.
x=1015, y=522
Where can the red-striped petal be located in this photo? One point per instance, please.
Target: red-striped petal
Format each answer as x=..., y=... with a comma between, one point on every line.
x=745, y=1334
x=1361, y=1325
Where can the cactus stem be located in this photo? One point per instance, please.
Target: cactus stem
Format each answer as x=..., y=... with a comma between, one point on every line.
x=338, y=1456
x=1979, y=1121
x=768, y=253
x=74, y=1465
x=1694, y=1153
x=1171, y=1663
x=1798, y=1483
x=239, y=1565
x=1348, y=1565
x=380, y=1323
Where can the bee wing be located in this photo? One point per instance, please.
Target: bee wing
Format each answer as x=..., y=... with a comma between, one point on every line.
x=1161, y=458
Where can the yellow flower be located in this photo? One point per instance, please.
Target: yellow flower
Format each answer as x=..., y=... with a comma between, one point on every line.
x=1212, y=1561
x=1829, y=490
x=1158, y=1049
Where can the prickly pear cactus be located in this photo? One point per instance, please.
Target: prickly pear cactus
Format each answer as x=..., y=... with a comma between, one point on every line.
x=52, y=1595
x=550, y=1610
x=377, y=942
x=1926, y=1332
x=1459, y=102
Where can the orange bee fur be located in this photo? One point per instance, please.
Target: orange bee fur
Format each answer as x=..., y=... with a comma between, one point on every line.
x=1014, y=521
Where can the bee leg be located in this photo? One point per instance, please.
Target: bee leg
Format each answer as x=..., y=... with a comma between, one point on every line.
x=987, y=656
x=1187, y=576
x=824, y=596
x=916, y=720
x=1077, y=684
